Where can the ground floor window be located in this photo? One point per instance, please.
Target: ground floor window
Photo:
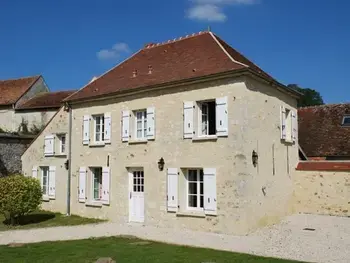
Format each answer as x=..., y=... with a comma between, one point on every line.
x=138, y=181
x=195, y=190
x=97, y=183
x=45, y=180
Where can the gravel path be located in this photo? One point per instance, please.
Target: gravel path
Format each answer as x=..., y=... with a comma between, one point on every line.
x=330, y=242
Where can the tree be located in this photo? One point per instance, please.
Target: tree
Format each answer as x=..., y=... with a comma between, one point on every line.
x=19, y=196
x=310, y=97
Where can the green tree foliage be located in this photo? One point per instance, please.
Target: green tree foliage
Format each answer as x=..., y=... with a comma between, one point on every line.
x=19, y=196
x=310, y=97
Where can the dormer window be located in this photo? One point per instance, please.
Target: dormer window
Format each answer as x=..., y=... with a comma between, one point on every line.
x=346, y=120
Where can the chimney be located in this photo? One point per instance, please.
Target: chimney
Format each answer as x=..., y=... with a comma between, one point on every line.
x=150, y=69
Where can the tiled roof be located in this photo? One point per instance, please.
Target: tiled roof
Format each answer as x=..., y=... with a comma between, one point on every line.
x=323, y=166
x=12, y=90
x=194, y=56
x=46, y=100
x=321, y=132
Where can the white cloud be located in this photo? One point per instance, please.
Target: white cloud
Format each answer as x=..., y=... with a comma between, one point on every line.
x=213, y=10
x=206, y=12
x=114, y=52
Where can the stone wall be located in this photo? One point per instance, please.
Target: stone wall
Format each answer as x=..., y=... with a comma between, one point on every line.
x=325, y=191
x=11, y=149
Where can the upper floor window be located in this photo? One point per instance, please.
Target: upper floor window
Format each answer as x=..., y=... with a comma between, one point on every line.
x=62, y=139
x=207, y=118
x=289, y=124
x=141, y=124
x=346, y=120
x=99, y=128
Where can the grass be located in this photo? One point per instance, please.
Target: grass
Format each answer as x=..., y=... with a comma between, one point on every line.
x=122, y=250
x=46, y=219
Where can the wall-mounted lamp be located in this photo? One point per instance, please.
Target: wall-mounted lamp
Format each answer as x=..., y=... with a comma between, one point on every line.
x=66, y=164
x=255, y=158
x=161, y=164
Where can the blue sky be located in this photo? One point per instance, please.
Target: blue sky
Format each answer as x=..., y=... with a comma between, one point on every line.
x=68, y=42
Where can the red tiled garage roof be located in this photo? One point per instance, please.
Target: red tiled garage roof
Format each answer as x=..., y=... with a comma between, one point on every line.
x=323, y=166
x=46, y=100
x=13, y=89
x=191, y=57
x=321, y=133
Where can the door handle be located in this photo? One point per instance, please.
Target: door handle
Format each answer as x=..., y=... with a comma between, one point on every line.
x=130, y=195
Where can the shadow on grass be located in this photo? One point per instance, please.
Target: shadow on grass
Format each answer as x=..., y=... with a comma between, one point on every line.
x=32, y=219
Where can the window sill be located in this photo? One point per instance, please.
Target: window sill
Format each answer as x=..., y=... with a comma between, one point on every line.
x=94, y=204
x=97, y=144
x=205, y=138
x=45, y=198
x=198, y=214
x=61, y=155
x=49, y=155
x=288, y=141
x=143, y=141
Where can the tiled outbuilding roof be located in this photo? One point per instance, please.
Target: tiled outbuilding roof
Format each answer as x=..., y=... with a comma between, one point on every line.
x=13, y=89
x=46, y=100
x=321, y=133
x=191, y=57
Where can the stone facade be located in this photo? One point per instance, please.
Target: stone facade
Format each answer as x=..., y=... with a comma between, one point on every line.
x=11, y=149
x=322, y=192
x=248, y=197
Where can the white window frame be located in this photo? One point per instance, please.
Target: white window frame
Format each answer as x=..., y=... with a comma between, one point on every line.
x=288, y=124
x=60, y=136
x=102, y=128
x=43, y=169
x=93, y=174
x=198, y=208
x=345, y=117
x=200, y=118
x=143, y=120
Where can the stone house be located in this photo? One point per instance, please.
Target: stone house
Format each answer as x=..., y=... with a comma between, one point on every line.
x=187, y=134
x=15, y=92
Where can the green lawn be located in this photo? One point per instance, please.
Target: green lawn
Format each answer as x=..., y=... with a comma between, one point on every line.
x=122, y=250
x=46, y=219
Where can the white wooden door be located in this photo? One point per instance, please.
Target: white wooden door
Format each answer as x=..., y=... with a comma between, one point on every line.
x=136, y=197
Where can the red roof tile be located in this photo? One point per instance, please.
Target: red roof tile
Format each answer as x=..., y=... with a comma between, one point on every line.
x=195, y=56
x=321, y=133
x=323, y=166
x=46, y=100
x=12, y=90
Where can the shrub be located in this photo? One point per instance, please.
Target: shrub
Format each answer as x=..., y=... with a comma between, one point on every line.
x=19, y=196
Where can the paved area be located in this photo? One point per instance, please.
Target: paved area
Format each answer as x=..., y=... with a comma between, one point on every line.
x=329, y=242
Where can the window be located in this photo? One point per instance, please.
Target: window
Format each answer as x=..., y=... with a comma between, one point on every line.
x=45, y=180
x=138, y=183
x=346, y=121
x=141, y=124
x=207, y=118
x=97, y=183
x=195, y=190
x=288, y=118
x=62, y=139
x=99, y=128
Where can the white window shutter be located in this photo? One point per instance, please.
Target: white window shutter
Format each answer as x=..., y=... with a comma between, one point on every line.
x=49, y=145
x=294, y=126
x=210, y=191
x=86, y=129
x=172, y=196
x=82, y=184
x=52, y=181
x=125, y=125
x=150, y=123
x=35, y=172
x=221, y=117
x=188, y=119
x=108, y=123
x=105, y=184
x=283, y=123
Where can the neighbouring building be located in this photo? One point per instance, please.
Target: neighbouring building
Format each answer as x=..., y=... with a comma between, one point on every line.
x=187, y=133
x=15, y=92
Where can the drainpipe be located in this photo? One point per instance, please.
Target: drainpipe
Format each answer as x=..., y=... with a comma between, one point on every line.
x=69, y=159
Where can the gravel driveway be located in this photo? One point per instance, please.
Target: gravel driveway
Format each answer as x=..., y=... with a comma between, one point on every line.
x=329, y=242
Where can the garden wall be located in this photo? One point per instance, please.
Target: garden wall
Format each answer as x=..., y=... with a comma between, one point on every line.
x=322, y=188
x=11, y=149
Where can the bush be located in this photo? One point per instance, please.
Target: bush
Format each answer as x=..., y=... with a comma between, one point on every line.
x=19, y=196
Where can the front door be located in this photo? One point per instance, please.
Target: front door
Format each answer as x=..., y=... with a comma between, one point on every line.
x=136, y=196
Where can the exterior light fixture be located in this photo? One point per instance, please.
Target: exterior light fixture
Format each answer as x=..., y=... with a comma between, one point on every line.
x=255, y=158
x=161, y=164
x=66, y=164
